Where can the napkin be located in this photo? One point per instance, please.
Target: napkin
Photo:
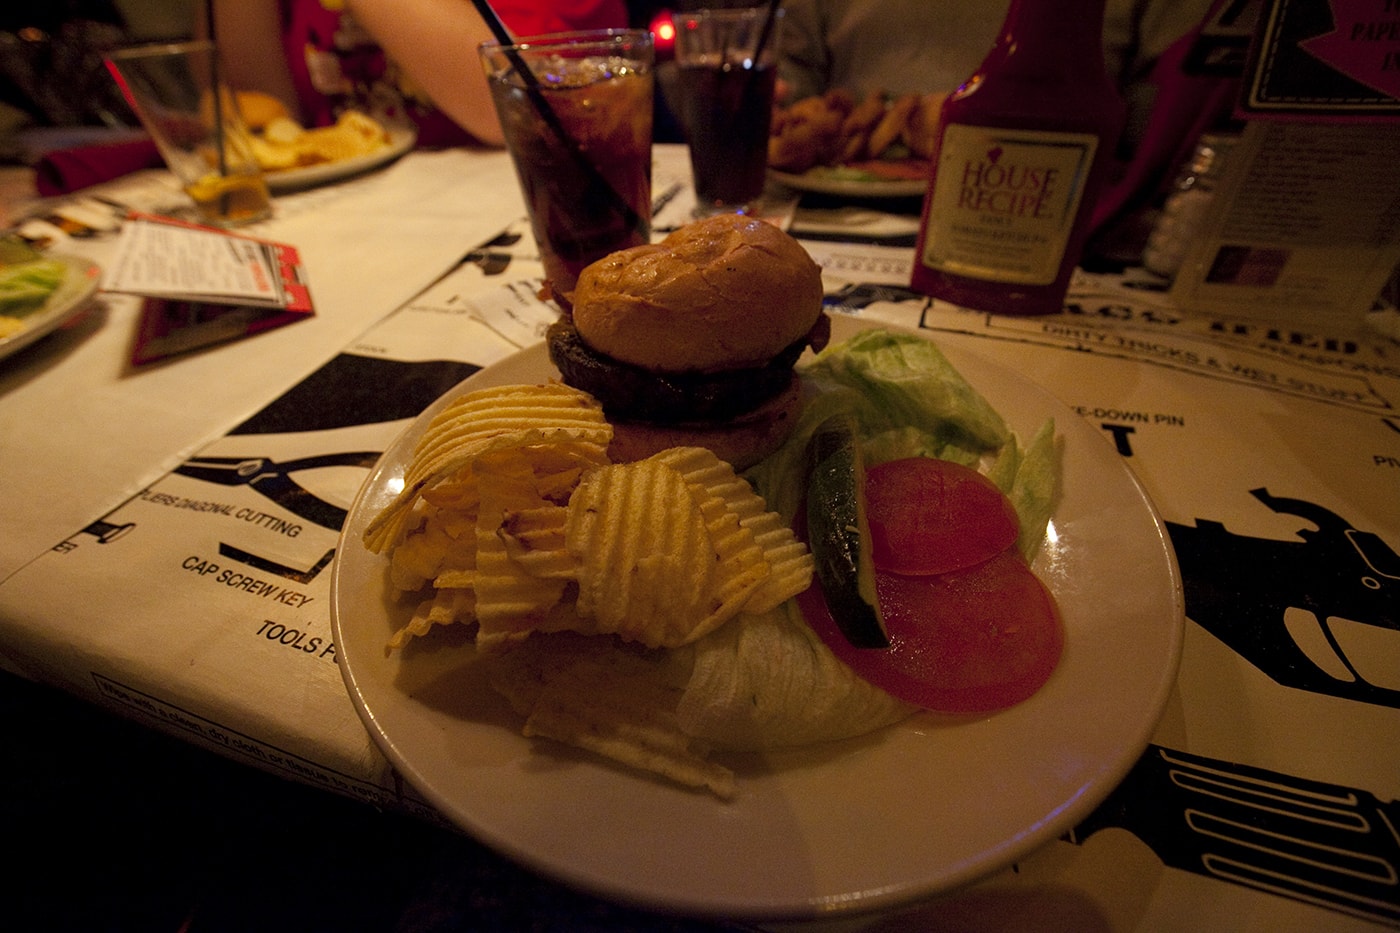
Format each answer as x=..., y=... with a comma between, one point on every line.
x=63, y=170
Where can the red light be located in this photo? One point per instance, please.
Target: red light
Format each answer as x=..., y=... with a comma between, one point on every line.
x=663, y=34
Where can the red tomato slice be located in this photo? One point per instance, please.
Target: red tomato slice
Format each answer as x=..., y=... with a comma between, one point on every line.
x=934, y=516
x=975, y=640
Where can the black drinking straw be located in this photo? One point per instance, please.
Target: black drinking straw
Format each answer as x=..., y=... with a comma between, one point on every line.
x=766, y=31
x=224, y=203
x=551, y=119
x=218, y=98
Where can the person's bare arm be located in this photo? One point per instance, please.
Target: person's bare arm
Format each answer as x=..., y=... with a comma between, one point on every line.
x=435, y=42
x=249, y=33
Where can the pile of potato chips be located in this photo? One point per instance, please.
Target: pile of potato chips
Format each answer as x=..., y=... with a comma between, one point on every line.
x=584, y=579
x=285, y=144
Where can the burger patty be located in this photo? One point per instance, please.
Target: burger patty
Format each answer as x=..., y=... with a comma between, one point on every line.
x=634, y=393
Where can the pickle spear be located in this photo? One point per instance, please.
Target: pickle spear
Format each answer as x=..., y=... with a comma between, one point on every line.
x=839, y=534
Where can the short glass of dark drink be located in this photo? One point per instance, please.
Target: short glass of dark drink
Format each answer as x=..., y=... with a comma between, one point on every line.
x=726, y=101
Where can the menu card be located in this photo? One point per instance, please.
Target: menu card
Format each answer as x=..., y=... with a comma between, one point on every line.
x=1302, y=230
x=204, y=285
x=1324, y=60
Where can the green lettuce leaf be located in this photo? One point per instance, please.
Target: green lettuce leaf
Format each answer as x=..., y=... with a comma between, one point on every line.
x=1035, y=487
x=906, y=380
x=910, y=401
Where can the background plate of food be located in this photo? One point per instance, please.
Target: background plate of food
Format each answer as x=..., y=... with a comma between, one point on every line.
x=40, y=293
x=293, y=156
x=873, y=147
x=912, y=809
x=903, y=179
x=397, y=142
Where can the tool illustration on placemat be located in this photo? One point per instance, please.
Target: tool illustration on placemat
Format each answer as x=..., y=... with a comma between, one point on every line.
x=106, y=532
x=1325, y=844
x=273, y=480
x=1320, y=612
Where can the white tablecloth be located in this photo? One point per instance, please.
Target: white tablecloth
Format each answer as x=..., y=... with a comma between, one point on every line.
x=81, y=430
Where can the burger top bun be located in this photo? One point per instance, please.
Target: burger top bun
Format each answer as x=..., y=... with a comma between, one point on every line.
x=726, y=292
x=259, y=109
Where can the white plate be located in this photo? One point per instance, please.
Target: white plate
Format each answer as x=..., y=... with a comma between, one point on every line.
x=910, y=811
x=80, y=281
x=401, y=140
x=818, y=182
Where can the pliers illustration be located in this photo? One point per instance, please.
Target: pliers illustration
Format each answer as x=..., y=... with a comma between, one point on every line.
x=273, y=480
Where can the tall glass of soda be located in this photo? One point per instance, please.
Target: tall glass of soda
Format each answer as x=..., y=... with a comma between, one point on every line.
x=576, y=109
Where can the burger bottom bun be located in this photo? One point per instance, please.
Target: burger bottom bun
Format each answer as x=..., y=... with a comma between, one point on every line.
x=740, y=442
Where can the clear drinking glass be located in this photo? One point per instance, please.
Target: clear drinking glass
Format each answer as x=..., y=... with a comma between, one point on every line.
x=726, y=102
x=198, y=129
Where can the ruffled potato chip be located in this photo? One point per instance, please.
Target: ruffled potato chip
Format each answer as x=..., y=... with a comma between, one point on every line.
x=787, y=559
x=790, y=564
x=646, y=556
x=447, y=606
x=510, y=602
x=478, y=422
x=442, y=541
x=535, y=539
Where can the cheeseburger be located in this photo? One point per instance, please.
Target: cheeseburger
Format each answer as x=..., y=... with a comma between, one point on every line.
x=692, y=341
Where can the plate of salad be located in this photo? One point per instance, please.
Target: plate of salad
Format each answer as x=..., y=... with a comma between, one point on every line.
x=935, y=800
x=39, y=293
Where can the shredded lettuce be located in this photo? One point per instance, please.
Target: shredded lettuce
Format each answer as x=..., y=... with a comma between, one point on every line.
x=770, y=682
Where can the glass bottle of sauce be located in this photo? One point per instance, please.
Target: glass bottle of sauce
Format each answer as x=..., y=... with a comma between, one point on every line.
x=1022, y=150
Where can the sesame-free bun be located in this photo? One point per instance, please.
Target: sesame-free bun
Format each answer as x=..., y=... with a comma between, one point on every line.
x=722, y=293
x=259, y=109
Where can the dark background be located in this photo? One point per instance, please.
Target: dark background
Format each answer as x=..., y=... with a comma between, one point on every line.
x=114, y=828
